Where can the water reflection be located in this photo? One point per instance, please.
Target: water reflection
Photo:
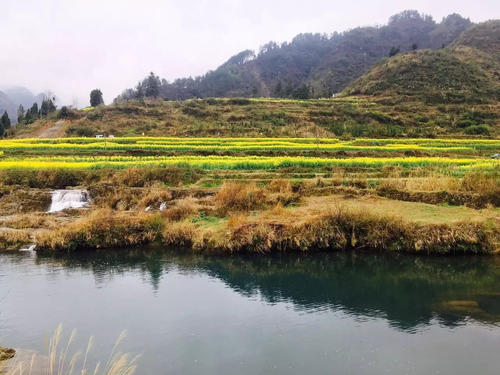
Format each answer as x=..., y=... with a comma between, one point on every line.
x=409, y=292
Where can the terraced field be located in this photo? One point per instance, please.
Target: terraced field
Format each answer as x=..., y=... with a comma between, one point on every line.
x=247, y=153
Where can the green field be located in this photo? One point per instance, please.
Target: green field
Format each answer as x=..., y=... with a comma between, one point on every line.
x=245, y=153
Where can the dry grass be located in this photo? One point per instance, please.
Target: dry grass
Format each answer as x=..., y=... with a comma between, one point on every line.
x=61, y=361
x=240, y=197
x=34, y=221
x=481, y=182
x=154, y=198
x=182, y=209
x=279, y=185
x=13, y=239
x=103, y=228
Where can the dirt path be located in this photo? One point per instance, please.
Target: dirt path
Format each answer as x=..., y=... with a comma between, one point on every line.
x=52, y=130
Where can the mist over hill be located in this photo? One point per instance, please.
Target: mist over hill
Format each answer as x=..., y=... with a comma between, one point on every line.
x=311, y=65
x=14, y=96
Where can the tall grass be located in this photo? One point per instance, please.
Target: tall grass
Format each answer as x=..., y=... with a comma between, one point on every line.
x=62, y=359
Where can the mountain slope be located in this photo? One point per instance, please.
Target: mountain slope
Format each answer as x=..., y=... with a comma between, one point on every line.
x=311, y=65
x=6, y=104
x=465, y=72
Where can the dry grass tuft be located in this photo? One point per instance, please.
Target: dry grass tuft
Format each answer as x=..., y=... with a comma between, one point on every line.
x=279, y=185
x=182, y=209
x=481, y=182
x=13, y=239
x=240, y=197
x=30, y=221
x=60, y=360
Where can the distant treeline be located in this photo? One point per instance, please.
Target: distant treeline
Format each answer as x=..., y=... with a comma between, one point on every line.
x=311, y=65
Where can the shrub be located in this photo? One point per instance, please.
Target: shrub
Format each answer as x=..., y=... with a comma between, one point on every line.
x=239, y=197
x=183, y=209
x=483, y=129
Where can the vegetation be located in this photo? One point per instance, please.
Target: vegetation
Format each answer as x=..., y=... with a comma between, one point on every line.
x=465, y=72
x=181, y=192
x=311, y=65
x=96, y=98
x=4, y=123
x=345, y=117
x=61, y=361
x=6, y=354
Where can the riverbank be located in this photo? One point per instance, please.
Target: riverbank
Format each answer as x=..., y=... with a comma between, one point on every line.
x=315, y=214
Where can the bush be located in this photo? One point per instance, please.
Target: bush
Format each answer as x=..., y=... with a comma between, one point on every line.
x=483, y=129
x=81, y=131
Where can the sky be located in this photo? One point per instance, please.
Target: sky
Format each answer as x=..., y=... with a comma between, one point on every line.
x=73, y=46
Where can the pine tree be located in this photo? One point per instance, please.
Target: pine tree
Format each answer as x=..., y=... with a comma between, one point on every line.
x=96, y=98
x=5, y=121
x=394, y=51
x=32, y=114
x=20, y=114
x=152, y=86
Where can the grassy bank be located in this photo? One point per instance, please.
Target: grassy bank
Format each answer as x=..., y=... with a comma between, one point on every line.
x=339, y=229
x=249, y=218
x=378, y=117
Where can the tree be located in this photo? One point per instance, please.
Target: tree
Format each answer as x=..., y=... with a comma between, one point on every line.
x=278, y=91
x=31, y=114
x=96, y=98
x=5, y=122
x=394, y=51
x=414, y=46
x=47, y=107
x=64, y=112
x=152, y=89
x=20, y=114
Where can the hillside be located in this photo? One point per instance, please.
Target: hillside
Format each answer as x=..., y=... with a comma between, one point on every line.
x=240, y=117
x=13, y=96
x=467, y=71
x=311, y=65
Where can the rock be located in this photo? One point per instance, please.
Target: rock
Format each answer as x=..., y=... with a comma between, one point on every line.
x=6, y=354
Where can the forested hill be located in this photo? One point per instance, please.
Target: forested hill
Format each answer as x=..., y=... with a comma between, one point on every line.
x=311, y=65
x=467, y=71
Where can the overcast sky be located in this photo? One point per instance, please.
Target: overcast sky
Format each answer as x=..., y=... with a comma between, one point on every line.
x=73, y=46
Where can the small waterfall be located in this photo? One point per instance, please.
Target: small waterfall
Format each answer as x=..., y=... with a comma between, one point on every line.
x=63, y=199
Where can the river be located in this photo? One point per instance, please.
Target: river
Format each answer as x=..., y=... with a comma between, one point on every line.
x=319, y=313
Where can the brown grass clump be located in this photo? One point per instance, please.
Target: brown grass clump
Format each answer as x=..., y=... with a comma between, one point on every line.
x=279, y=185
x=103, y=228
x=30, y=221
x=13, y=239
x=182, y=209
x=240, y=197
x=481, y=182
x=181, y=234
x=154, y=198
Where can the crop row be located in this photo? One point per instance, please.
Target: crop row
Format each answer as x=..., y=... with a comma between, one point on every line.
x=243, y=163
x=235, y=146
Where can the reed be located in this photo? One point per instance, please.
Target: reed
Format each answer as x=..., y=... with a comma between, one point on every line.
x=61, y=359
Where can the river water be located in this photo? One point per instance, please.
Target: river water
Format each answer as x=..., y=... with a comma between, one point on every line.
x=341, y=313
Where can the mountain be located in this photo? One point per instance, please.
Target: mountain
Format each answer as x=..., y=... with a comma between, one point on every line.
x=311, y=65
x=6, y=104
x=13, y=96
x=467, y=71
